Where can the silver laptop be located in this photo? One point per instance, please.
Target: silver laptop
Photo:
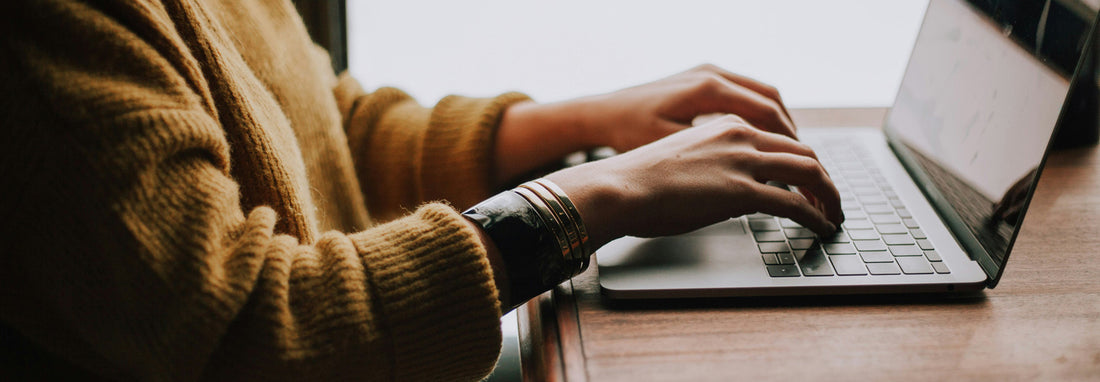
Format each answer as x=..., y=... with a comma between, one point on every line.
x=933, y=199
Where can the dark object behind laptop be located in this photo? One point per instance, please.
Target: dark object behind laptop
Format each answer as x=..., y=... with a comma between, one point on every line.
x=1056, y=30
x=1081, y=125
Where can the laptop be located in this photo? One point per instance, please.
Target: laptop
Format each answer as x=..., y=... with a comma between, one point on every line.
x=933, y=199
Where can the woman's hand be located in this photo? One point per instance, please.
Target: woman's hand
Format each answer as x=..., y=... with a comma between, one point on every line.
x=698, y=177
x=532, y=135
x=636, y=116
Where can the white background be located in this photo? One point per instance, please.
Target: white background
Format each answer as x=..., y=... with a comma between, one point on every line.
x=818, y=53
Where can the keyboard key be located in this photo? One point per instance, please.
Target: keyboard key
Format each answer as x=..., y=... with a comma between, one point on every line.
x=925, y=244
x=904, y=213
x=877, y=257
x=797, y=244
x=905, y=250
x=848, y=265
x=878, y=209
x=891, y=228
x=799, y=233
x=760, y=215
x=859, y=180
x=773, y=247
x=880, y=219
x=883, y=269
x=815, y=263
x=940, y=267
x=855, y=215
x=785, y=258
x=850, y=166
x=757, y=225
x=838, y=237
x=788, y=223
x=933, y=256
x=783, y=271
x=769, y=236
x=918, y=234
x=854, y=224
x=863, y=234
x=869, y=245
x=897, y=203
x=872, y=199
x=770, y=259
x=899, y=239
x=866, y=188
x=910, y=222
x=914, y=265
x=839, y=249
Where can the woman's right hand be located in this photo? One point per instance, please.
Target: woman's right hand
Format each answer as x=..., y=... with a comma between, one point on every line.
x=700, y=176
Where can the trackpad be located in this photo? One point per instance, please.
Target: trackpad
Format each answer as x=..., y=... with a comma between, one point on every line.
x=719, y=248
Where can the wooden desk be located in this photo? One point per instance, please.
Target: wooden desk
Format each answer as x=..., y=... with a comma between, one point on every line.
x=1041, y=323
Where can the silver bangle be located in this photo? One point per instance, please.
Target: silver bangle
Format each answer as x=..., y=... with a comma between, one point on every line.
x=569, y=217
x=569, y=206
x=561, y=216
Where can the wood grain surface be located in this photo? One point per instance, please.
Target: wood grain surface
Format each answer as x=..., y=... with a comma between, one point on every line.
x=1041, y=323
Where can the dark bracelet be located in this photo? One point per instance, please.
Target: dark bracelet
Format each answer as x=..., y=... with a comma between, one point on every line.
x=530, y=251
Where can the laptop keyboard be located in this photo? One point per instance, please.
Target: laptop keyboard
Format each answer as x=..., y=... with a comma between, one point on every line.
x=879, y=235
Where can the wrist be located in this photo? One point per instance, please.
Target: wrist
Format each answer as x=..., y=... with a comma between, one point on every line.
x=535, y=239
x=600, y=198
x=578, y=118
x=532, y=135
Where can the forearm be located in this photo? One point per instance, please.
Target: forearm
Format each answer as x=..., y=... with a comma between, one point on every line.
x=406, y=154
x=532, y=135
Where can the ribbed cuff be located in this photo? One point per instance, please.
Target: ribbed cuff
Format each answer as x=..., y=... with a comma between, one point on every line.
x=463, y=127
x=434, y=286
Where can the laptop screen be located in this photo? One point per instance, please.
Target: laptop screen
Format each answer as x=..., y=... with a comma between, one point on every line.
x=977, y=106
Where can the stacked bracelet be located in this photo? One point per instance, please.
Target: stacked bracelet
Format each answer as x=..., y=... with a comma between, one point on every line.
x=539, y=233
x=568, y=217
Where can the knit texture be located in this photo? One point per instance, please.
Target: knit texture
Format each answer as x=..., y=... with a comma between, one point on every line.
x=186, y=196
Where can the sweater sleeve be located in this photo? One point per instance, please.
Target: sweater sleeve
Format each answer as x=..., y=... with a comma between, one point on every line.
x=129, y=253
x=406, y=154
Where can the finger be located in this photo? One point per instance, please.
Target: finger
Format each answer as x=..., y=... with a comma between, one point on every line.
x=807, y=180
x=834, y=214
x=703, y=119
x=805, y=173
x=722, y=118
x=771, y=142
x=780, y=202
x=719, y=95
x=775, y=143
x=752, y=84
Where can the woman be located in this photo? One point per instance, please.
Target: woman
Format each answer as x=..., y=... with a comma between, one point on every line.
x=192, y=193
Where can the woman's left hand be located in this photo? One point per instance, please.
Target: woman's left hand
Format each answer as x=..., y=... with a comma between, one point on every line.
x=532, y=134
x=636, y=116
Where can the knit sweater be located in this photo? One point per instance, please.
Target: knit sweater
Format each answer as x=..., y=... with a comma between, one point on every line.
x=186, y=194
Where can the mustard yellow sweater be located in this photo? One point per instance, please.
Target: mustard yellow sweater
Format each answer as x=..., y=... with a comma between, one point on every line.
x=186, y=187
